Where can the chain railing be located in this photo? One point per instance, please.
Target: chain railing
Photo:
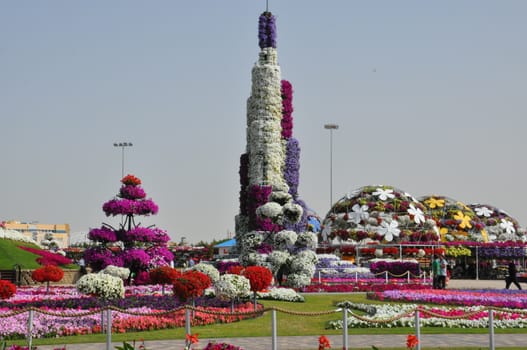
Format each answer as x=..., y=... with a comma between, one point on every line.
x=387, y=274
x=106, y=318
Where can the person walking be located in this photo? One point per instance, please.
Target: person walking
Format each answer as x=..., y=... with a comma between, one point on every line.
x=443, y=270
x=435, y=272
x=511, y=278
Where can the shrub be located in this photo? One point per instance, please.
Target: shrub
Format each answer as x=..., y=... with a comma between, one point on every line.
x=7, y=289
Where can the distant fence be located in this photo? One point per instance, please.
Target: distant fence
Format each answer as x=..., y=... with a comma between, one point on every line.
x=106, y=319
x=356, y=275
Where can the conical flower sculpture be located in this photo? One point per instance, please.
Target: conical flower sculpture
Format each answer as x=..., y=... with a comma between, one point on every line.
x=131, y=245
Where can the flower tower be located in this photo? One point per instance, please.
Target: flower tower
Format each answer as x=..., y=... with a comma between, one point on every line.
x=131, y=245
x=269, y=169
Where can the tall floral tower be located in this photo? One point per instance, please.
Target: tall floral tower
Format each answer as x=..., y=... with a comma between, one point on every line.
x=271, y=225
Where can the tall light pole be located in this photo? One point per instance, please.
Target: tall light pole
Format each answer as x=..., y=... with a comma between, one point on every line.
x=122, y=145
x=331, y=127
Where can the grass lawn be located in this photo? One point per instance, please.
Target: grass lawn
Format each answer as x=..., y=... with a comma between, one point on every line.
x=10, y=254
x=287, y=325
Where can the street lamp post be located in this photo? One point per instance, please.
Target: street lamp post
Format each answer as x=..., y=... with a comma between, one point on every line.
x=331, y=127
x=122, y=145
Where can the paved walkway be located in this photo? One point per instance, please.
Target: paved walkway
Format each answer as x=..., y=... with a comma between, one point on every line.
x=354, y=341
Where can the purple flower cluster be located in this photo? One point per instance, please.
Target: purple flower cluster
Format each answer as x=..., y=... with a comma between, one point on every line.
x=132, y=192
x=501, y=252
x=145, y=234
x=136, y=259
x=292, y=166
x=287, y=109
x=244, y=182
x=300, y=226
x=125, y=206
x=159, y=252
x=257, y=196
x=267, y=30
x=103, y=234
x=98, y=258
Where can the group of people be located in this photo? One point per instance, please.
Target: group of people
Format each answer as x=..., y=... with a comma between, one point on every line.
x=439, y=271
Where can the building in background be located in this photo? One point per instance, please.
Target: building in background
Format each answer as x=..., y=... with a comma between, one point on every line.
x=41, y=233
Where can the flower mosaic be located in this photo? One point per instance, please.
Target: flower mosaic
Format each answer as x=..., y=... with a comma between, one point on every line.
x=456, y=220
x=500, y=226
x=378, y=213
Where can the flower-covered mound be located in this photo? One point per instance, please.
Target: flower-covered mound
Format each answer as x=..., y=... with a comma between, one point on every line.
x=500, y=226
x=378, y=213
x=456, y=220
x=513, y=299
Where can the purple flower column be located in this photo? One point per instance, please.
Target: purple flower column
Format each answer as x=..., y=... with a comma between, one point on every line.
x=267, y=30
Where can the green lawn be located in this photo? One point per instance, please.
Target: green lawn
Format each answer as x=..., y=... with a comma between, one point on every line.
x=287, y=325
x=10, y=255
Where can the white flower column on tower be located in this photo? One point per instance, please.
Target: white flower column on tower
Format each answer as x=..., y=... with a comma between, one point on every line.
x=264, y=115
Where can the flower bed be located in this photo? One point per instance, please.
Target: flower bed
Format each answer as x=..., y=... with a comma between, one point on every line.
x=513, y=299
x=397, y=315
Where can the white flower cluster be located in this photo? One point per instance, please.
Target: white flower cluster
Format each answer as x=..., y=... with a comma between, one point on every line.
x=264, y=114
x=115, y=271
x=387, y=311
x=102, y=285
x=285, y=240
x=230, y=287
x=208, y=270
x=15, y=236
x=282, y=294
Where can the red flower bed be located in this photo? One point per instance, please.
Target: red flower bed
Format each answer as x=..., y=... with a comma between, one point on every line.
x=47, y=257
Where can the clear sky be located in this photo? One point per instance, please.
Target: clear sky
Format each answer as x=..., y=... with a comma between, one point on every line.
x=430, y=97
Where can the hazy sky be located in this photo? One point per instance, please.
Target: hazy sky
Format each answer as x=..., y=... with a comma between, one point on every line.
x=430, y=97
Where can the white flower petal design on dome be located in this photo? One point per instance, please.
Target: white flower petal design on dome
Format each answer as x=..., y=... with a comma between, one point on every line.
x=359, y=213
x=389, y=230
x=383, y=194
x=417, y=213
x=483, y=211
x=507, y=226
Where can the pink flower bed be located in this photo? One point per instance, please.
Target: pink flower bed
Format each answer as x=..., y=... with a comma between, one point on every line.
x=514, y=299
x=341, y=285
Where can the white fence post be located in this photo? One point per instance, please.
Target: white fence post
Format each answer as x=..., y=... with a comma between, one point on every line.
x=102, y=321
x=108, y=329
x=408, y=279
x=386, y=276
x=418, y=329
x=187, y=321
x=345, y=328
x=356, y=277
x=30, y=329
x=273, y=329
x=491, y=330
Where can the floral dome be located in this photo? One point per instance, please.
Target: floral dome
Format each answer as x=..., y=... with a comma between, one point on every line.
x=378, y=213
x=456, y=220
x=500, y=226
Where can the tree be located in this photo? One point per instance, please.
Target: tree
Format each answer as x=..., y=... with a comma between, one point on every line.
x=7, y=289
x=48, y=273
x=164, y=275
x=259, y=277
